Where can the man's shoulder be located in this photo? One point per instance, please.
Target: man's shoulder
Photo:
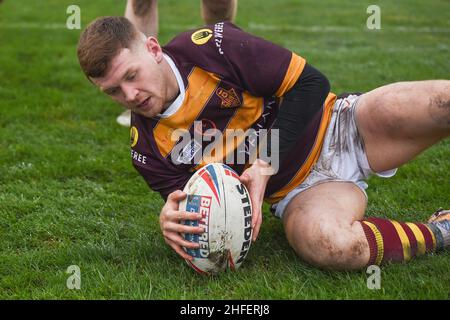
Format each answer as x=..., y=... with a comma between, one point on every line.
x=201, y=42
x=202, y=35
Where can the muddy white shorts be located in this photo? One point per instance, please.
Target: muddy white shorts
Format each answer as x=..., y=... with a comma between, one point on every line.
x=342, y=158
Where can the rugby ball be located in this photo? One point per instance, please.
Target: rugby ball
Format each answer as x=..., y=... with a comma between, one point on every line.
x=224, y=202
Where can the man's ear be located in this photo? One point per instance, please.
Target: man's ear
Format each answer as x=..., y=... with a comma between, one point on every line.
x=154, y=48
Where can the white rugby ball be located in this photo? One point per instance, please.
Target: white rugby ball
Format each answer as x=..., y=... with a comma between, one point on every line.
x=224, y=202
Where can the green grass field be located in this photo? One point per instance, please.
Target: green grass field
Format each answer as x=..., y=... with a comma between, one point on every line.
x=69, y=195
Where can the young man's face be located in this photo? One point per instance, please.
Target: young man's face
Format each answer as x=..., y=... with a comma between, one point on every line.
x=138, y=80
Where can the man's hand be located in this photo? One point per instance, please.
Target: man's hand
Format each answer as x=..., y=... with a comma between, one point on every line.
x=170, y=222
x=255, y=179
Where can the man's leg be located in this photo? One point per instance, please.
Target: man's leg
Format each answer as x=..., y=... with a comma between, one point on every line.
x=324, y=223
x=400, y=120
x=396, y=123
x=214, y=11
x=325, y=226
x=322, y=226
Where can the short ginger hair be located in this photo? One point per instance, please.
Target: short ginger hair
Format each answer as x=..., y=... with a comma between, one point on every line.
x=101, y=41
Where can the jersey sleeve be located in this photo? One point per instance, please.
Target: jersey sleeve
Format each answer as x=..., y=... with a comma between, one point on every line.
x=164, y=182
x=256, y=65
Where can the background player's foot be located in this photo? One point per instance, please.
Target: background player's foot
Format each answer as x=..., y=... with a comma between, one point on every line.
x=124, y=119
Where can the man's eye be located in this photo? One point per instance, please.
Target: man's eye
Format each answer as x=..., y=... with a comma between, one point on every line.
x=131, y=76
x=112, y=92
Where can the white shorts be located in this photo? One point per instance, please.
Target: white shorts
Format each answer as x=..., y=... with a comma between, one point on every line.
x=342, y=158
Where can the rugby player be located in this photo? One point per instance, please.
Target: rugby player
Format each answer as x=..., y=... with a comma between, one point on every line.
x=329, y=145
x=144, y=15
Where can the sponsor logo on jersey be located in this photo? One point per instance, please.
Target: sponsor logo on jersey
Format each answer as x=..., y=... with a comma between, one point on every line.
x=136, y=156
x=229, y=98
x=218, y=36
x=200, y=204
x=134, y=136
x=201, y=36
x=188, y=152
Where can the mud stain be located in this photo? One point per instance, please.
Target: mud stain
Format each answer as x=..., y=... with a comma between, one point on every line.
x=439, y=110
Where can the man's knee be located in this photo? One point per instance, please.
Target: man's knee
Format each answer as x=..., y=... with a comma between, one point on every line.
x=330, y=246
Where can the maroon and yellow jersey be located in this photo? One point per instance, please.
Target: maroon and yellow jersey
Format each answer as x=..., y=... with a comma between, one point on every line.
x=228, y=79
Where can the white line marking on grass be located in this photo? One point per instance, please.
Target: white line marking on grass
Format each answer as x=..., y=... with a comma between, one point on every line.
x=32, y=25
x=351, y=49
x=252, y=26
x=340, y=29
x=46, y=26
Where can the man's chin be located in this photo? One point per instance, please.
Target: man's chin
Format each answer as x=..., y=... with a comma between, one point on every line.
x=147, y=114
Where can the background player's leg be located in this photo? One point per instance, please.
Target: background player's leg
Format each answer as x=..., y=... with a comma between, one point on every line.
x=218, y=10
x=325, y=226
x=144, y=15
x=400, y=120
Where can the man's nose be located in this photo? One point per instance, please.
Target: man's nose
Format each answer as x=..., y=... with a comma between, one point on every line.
x=130, y=93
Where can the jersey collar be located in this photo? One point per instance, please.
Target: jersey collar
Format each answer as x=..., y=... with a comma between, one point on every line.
x=176, y=104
